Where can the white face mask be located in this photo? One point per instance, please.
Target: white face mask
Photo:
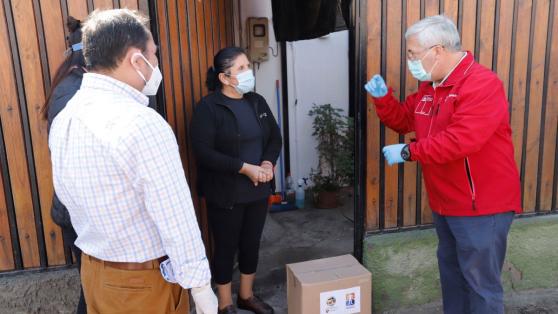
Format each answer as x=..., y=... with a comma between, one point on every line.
x=151, y=86
x=418, y=71
x=246, y=82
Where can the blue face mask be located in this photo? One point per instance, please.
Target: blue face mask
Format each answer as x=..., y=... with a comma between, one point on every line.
x=418, y=71
x=246, y=82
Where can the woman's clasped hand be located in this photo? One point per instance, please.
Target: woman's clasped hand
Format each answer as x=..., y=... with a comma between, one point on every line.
x=263, y=173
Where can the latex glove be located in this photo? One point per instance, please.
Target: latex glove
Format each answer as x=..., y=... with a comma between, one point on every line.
x=377, y=86
x=393, y=153
x=205, y=299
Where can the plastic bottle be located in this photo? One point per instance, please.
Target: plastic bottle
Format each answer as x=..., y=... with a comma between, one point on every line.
x=289, y=189
x=300, y=194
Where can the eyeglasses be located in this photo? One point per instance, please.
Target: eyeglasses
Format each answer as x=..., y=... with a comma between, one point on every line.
x=242, y=69
x=413, y=56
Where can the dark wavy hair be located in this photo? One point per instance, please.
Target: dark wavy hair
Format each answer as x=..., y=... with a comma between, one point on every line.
x=75, y=62
x=222, y=61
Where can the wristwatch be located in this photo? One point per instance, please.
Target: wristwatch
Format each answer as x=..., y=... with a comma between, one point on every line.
x=406, y=153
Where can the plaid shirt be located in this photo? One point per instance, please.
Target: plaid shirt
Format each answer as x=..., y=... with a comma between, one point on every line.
x=116, y=167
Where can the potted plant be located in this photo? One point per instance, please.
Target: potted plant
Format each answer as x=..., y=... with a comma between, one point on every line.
x=335, y=135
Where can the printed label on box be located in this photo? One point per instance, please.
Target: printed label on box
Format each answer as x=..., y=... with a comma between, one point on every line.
x=346, y=301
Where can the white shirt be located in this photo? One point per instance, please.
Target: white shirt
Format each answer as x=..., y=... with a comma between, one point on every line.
x=116, y=167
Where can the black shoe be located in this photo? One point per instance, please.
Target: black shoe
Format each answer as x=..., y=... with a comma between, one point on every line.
x=254, y=304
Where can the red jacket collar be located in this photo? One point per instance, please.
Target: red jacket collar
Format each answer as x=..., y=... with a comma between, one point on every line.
x=462, y=68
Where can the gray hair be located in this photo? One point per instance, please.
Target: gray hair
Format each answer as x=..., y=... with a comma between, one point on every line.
x=436, y=30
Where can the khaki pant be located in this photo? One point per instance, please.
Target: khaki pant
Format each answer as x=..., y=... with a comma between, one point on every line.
x=110, y=290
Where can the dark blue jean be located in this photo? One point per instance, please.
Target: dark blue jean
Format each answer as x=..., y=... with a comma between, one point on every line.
x=471, y=254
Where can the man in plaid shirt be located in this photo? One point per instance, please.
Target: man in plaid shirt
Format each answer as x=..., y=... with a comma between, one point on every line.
x=117, y=169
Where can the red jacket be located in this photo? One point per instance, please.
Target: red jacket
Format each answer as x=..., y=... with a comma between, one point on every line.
x=463, y=141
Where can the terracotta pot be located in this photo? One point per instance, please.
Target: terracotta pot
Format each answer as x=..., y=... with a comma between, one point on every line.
x=327, y=199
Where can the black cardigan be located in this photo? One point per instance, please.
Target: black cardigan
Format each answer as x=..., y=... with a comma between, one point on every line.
x=62, y=93
x=215, y=137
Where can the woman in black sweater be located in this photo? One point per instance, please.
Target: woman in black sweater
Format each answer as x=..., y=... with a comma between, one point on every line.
x=236, y=142
x=66, y=82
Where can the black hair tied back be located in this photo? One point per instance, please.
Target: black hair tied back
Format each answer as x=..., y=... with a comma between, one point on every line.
x=211, y=79
x=74, y=62
x=222, y=62
x=74, y=27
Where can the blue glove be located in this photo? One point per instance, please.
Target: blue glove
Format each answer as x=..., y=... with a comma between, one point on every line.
x=377, y=86
x=393, y=153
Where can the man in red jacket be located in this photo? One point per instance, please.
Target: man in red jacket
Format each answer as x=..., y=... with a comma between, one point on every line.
x=463, y=144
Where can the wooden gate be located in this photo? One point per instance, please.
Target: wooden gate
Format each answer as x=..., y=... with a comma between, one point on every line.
x=517, y=39
x=32, y=40
x=190, y=33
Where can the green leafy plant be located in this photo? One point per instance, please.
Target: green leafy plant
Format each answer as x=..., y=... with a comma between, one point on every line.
x=336, y=142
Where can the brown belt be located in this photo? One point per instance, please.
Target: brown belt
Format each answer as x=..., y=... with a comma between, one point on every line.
x=132, y=266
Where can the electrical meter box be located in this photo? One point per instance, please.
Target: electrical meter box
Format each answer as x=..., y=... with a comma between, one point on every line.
x=258, y=39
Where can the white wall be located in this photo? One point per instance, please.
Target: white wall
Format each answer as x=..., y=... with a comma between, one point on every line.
x=269, y=71
x=318, y=72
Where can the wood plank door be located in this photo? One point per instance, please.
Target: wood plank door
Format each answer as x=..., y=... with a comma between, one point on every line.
x=32, y=43
x=518, y=40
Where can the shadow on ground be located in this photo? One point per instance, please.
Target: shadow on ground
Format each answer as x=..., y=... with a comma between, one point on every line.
x=298, y=236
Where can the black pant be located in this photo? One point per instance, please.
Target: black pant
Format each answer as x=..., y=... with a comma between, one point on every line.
x=70, y=237
x=239, y=228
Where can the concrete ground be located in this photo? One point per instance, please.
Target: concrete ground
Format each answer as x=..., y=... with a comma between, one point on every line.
x=289, y=237
x=524, y=302
x=298, y=236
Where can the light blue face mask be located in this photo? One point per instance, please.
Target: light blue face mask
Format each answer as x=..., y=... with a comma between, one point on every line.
x=246, y=82
x=418, y=71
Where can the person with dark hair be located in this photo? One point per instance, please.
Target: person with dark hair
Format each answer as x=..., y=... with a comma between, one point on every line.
x=116, y=167
x=66, y=82
x=236, y=142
